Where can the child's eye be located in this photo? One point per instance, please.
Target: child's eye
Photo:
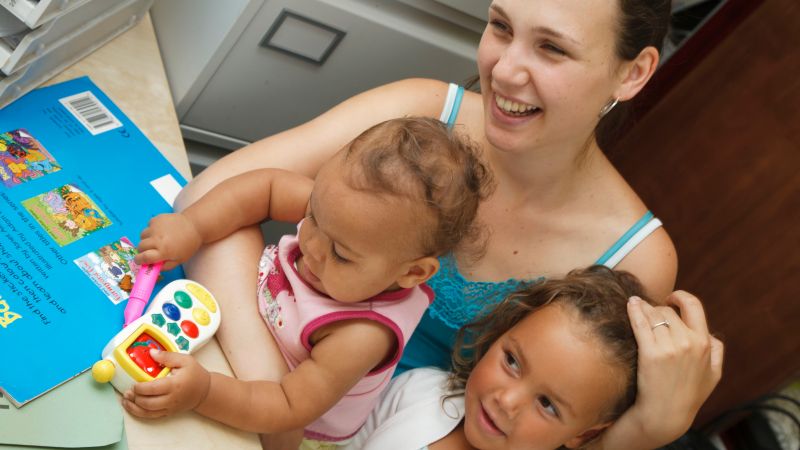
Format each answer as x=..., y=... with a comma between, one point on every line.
x=336, y=256
x=511, y=361
x=553, y=49
x=547, y=405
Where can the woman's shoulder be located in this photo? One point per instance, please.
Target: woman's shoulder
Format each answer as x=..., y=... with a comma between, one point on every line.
x=411, y=96
x=653, y=259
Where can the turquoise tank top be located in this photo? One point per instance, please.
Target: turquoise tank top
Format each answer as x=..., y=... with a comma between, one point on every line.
x=458, y=300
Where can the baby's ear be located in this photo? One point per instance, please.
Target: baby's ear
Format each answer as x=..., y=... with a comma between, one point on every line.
x=584, y=438
x=418, y=271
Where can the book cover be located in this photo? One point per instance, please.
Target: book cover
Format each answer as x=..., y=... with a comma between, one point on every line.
x=78, y=183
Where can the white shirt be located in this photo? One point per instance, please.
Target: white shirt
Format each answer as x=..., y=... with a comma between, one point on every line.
x=411, y=413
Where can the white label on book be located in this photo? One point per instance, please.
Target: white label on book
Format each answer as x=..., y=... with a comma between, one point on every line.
x=90, y=112
x=168, y=187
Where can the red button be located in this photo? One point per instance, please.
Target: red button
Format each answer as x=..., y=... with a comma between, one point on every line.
x=189, y=328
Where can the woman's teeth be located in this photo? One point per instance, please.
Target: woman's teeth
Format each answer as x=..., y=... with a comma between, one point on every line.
x=514, y=108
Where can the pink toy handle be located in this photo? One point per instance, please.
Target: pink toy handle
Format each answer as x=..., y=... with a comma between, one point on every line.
x=142, y=289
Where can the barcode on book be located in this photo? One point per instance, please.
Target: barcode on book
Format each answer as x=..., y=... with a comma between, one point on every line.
x=90, y=112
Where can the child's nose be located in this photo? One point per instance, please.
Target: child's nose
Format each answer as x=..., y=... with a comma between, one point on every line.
x=510, y=400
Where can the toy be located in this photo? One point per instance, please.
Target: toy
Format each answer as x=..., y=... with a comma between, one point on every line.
x=182, y=317
x=146, y=278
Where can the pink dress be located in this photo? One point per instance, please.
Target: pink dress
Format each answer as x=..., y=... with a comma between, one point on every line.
x=293, y=310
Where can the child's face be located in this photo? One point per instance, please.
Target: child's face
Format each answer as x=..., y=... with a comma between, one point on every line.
x=543, y=384
x=355, y=244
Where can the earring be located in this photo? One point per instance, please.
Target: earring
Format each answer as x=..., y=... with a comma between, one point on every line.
x=608, y=107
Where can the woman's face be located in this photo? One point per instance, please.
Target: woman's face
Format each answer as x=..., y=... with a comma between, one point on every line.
x=547, y=67
x=543, y=384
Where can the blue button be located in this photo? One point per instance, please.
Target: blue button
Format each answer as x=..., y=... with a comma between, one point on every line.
x=171, y=311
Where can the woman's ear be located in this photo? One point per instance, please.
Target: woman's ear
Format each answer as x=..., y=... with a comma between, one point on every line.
x=418, y=271
x=635, y=74
x=584, y=438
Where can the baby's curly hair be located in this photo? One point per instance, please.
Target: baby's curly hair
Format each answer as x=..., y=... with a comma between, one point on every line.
x=597, y=294
x=422, y=160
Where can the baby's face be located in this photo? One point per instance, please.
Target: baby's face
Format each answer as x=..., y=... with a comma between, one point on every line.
x=354, y=244
x=543, y=384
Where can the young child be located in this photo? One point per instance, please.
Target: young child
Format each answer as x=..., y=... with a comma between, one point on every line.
x=343, y=296
x=551, y=366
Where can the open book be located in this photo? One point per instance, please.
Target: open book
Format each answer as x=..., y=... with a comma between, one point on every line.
x=78, y=183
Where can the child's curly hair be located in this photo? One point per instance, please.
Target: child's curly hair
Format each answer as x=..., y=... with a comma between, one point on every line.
x=598, y=294
x=422, y=160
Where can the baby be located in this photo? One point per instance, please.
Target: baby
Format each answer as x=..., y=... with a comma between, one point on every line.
x=343, y=296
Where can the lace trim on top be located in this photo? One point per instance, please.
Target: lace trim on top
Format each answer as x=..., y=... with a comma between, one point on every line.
x=458, y=300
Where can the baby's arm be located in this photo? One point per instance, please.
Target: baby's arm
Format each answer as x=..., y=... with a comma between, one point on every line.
x=237, y=202
x=343, y=354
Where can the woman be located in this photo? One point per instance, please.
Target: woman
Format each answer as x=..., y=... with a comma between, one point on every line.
x=551, y=73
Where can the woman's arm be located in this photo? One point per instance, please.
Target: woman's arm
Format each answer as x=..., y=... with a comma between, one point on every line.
x=305, y=148
x=679, y=366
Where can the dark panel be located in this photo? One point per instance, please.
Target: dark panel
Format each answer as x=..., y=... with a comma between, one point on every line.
x=718, y=159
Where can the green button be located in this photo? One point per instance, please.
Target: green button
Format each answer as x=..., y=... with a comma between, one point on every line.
x=158, y=319
x=183, y=299
x=183, y=344
x=174, y=329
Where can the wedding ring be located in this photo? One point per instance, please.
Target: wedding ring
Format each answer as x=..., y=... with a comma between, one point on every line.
x=663, y=322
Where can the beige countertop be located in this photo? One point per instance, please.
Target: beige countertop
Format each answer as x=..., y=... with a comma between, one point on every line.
x=130, y=71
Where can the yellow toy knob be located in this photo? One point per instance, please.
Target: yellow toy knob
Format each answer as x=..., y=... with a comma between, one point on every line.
x=103, y=371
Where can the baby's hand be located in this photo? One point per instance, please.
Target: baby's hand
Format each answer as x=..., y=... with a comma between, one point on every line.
x=171, y=238
x=182, y=390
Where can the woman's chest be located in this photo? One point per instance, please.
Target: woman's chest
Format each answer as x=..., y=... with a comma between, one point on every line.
x=523, y=247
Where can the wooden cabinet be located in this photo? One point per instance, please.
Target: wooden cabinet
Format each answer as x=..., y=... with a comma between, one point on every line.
x=717, y=158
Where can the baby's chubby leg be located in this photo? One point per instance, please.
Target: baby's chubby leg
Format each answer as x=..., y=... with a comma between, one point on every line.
x=229, y=269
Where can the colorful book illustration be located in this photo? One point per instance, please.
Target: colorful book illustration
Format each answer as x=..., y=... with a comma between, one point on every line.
x=65, y=260
x=111, y=268
x=23, y=158
x=66, y=213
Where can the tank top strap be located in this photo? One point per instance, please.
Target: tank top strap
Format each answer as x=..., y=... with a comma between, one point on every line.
x=452, y=103
x=633, y=237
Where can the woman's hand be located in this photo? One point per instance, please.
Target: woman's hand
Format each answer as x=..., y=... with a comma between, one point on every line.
x=172, y=238
x=184, y=389
x=680, y=363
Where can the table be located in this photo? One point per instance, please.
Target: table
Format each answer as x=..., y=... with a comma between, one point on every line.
x=130, y=71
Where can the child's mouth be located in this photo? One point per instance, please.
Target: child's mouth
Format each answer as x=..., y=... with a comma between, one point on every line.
x=488, y=423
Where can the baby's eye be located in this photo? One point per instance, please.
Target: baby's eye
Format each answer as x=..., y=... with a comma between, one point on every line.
x=336, y=256
x=547, y=405
x=511, y=361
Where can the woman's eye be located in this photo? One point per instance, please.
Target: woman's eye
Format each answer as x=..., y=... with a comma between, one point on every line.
x=547, y=405
x=499, y=26
x=336, y=256
x=511, y=361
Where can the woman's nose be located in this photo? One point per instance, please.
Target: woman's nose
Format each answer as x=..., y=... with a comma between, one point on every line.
x=510, y=68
